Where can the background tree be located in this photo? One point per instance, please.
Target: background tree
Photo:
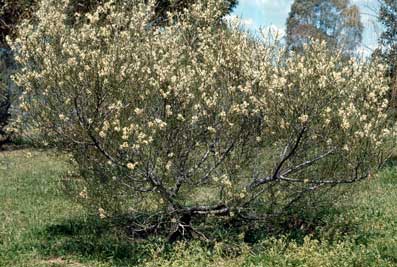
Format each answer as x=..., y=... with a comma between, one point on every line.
x=161, y=10
x=164, y=6
x=335, y=21
x=11, y=12
x=388, y=43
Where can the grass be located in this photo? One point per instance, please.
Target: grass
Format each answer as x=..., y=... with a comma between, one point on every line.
x=40, y=227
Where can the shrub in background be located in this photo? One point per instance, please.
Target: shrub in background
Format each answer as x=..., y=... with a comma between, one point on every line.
x=194, y=119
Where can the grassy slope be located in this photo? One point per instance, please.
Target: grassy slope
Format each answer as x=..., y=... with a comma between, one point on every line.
x=39, y=227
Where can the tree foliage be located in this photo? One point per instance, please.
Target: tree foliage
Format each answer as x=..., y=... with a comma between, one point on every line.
x=191, y=120
x=388, y=42
x=164, y=6
x=335, y=21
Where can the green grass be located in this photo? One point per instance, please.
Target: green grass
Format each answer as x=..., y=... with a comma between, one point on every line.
x=40, y=227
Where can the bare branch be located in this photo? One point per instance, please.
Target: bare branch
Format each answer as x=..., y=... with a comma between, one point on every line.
x=218, y=209
x=221, y=160
x=286, y=157
x=307, y=163
x=325, y=182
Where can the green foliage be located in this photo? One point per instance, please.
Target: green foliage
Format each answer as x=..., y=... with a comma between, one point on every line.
x=388, y=43
x=164, y=6
x=335, y=21
x=388, y=38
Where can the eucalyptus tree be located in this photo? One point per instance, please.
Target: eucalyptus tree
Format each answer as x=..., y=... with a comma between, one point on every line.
x=387, y=49
x=335, y=21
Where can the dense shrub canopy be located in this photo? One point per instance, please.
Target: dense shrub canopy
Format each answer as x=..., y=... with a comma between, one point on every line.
x=194, y=118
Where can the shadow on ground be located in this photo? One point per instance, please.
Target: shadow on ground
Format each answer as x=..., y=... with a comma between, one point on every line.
x=93, y=239
x=101, y=240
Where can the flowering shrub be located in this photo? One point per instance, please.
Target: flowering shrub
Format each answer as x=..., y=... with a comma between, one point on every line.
x=194, y=118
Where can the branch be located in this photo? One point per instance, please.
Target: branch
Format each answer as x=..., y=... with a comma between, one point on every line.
x=325, y=182
x=320, y=182
x=285, y=157
x=224, y=155
x=216, y=210
x=201, y=161
x=306, y=163
x=162, y=190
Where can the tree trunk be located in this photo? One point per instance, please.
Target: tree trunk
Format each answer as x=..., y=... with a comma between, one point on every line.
x=182, y=228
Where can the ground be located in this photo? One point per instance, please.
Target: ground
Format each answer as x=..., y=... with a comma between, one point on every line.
x=40, y=227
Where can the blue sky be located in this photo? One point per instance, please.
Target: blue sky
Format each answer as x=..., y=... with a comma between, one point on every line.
x=274, y=13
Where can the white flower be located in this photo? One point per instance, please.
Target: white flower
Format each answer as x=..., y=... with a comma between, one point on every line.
x=102, y=213
x=102, y=134
x=83, y=194
x=211, y=129
x=194, y=119
x=138, y=111
x=131, y=165
x=124, y=145
x=303, y=118
x=161, y=124
x=180, y=117
x=168, y=165
x=168, y=110
x=345, y=124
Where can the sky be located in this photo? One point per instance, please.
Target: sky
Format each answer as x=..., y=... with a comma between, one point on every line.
x=272, y=14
